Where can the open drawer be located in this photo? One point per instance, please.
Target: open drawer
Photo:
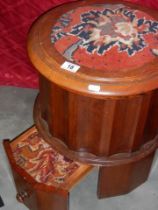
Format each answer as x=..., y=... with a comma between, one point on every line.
x=43, y=177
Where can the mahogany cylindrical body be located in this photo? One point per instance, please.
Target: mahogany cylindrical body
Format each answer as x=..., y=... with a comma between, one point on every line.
x=98, y=76
x=99, y=126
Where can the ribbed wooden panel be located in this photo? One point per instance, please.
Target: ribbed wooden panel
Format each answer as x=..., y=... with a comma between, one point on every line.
x=151, y=126
x=100, y=126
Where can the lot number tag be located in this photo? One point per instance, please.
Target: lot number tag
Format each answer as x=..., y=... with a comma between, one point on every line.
x=70, y=67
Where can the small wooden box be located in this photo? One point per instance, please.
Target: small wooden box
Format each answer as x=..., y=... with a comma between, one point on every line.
x=43, y=177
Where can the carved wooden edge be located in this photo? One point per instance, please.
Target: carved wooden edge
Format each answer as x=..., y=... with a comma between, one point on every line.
x=88, y=158
x=56, y=188
x=49, y=66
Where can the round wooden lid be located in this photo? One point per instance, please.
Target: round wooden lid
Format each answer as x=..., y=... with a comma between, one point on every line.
x=97, y=47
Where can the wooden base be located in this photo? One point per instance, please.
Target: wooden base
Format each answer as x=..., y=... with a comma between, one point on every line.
x=119, y=174
x=121, y=179
x=113, y=180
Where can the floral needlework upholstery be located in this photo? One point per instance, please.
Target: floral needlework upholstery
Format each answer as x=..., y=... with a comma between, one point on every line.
x=15, y=66
x=93, y=36
x=41, y=161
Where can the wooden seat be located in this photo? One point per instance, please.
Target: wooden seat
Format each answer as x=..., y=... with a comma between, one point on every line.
x=43, y=177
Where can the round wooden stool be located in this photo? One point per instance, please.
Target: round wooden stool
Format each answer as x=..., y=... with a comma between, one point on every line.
x=98, y=100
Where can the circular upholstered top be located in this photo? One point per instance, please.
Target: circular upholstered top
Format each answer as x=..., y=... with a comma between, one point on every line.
x=97, y=47
x=106, y=37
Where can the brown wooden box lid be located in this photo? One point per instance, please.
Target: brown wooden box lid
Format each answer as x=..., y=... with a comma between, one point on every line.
x=114, y=43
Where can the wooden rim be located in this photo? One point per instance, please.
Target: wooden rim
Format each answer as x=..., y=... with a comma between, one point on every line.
x=48, y=61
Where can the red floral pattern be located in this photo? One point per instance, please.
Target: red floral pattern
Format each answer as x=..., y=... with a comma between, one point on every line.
x=15, y=67
x=16, y=19
x=41, y=161
x=108, y=37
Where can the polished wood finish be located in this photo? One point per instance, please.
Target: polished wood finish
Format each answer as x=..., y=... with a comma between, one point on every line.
x=38, y=196
x=48, y=61
x=122, y=179
x=115, y=127
x=119, y=125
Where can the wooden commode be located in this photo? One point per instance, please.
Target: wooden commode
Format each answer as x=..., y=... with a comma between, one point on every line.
x=98, y=97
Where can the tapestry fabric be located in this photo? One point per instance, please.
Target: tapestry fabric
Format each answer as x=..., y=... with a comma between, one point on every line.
x=93, y=36
x=41, y=161
x=16, y=18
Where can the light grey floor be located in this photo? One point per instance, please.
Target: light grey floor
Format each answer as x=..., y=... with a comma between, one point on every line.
x=16, y=116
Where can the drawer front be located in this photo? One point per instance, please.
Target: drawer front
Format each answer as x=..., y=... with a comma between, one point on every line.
x=26, y=194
